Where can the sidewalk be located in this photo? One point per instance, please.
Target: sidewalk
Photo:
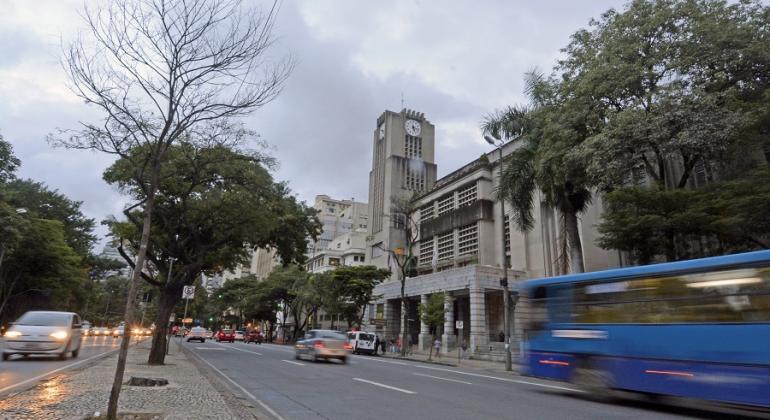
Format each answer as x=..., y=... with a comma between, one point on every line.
x=451, y=360
x=80, y=393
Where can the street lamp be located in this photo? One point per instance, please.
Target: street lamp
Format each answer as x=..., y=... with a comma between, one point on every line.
x=503, y=263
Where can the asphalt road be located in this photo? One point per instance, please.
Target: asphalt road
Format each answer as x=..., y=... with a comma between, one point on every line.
x=375, y=387
x=19, y=373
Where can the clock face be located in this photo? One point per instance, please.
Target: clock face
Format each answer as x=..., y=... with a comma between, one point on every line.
x=412, y=127
x=382, y=131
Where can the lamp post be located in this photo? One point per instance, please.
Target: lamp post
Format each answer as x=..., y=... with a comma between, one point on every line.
x=503, y=263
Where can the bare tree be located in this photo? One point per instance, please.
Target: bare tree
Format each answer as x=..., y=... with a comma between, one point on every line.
x=159, y=70
x=401, y=210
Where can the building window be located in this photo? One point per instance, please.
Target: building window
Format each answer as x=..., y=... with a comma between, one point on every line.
x=467, y=195
x=427, y=213
x=377, y=250
x=413, y=147
x=334, y=261
x=446, y=244
x=468, y=240
x=426, y=252
x=446, y=205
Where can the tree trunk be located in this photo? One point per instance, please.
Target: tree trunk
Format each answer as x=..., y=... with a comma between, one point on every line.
x=573, y=238
x=112, y=407
x=166, y=305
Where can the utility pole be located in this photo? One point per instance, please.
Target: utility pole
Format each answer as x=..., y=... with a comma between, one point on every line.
x=503, y=262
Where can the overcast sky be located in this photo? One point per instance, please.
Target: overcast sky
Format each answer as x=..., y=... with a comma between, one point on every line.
x=453, y=60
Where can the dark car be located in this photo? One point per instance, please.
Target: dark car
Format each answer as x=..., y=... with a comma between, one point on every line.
x=323, y=344
x=226, y=335
x=253, y=336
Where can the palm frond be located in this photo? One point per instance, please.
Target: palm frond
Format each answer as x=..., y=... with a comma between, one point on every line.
x=517, y=185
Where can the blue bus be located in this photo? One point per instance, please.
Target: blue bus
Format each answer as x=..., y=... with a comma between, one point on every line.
x=695, y=329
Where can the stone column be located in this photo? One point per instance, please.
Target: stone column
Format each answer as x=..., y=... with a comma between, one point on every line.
x=391, y=319
x=424, y=337
x=479, y=334
x=448, y=338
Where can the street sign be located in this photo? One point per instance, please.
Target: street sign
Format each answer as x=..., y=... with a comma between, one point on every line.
x=377, y=321
x=172, y=318
x=459, y=325
x=188, y=292
x=187, y=321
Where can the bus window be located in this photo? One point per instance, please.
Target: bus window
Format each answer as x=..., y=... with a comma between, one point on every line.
x=726, y=296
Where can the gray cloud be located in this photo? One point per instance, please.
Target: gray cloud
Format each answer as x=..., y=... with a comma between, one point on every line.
x=453, y=60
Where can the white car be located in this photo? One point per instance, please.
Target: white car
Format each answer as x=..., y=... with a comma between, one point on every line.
x=44, y=332
x=197, y=334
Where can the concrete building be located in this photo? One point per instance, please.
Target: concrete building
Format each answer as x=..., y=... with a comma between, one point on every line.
x=459, y=247
x=337, y=217
x=263, y=261
x=348, y=249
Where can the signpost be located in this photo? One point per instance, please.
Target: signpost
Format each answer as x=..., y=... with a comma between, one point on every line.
x=187, y=293
x=459, y=327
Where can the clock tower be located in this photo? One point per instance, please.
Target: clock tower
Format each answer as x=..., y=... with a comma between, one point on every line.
x=403, y=166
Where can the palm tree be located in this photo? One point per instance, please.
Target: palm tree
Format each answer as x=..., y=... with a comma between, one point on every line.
x=545, y=132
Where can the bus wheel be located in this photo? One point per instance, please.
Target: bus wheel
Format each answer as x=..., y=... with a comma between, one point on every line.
x=595, y=382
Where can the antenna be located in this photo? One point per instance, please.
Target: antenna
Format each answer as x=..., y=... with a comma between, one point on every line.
x=402, y=99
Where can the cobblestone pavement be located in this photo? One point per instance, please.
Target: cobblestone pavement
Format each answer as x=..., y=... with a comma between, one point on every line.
x=79, y=394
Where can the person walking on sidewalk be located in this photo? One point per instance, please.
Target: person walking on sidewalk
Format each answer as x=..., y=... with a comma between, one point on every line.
x=437, y=346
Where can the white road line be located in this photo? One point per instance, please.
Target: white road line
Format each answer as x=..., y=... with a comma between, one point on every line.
x=36, y=378
x=405, y=391
x=293, y=363
x=517, y=381
x=208, y=348
x=262, y=404
x=381, y=361
x=246, y=351
x=443, y=379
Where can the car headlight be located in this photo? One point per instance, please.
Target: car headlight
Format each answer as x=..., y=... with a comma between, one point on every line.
x=13, y=334
x=59, y=335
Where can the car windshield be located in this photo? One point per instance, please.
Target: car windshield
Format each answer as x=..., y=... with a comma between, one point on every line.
x=44, y=319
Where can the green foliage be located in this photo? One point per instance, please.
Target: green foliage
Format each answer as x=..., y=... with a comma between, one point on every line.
x=432, y=313
x=668, y=82
x=40, y=202
x=41, y=271
x=348, y=289
x=725, y=217
x=8, y=162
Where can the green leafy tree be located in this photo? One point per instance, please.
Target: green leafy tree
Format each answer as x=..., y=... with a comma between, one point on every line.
x=8, y=161
x=347, y=290
x=675, y=84
x=42, y=270
x=432, y=314
x=213, y=204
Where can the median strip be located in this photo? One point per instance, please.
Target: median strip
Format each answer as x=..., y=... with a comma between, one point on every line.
x=405, y=391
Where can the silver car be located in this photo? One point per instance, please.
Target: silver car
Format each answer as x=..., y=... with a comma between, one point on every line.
x=323, y=344
x=43, y=332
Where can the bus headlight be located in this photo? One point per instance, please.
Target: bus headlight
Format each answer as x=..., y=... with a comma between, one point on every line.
x=12, y=334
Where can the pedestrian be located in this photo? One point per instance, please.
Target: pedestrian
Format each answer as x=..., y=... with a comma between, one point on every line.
x=437, y=346
x=376, y=343
x=398, y=344
x=501, y=336
x=382, y=344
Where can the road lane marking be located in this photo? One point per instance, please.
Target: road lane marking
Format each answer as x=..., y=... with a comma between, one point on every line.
x=246, y=351
x=405, y=391
x=293, y=363
x=208, y=348
x=517, y=381
x=262, y=404
x=382, y=361
x=443, y=379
